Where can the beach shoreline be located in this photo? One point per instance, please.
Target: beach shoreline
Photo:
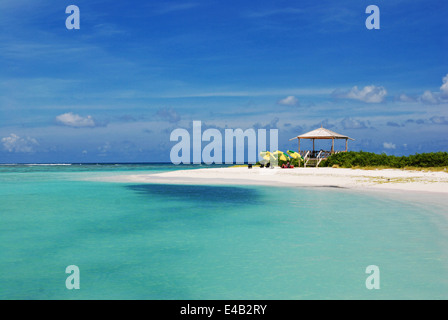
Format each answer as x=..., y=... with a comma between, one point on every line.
x=359, y=179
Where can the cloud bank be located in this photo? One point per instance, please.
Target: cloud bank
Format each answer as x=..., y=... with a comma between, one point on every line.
x=14, y=143
x=389, y=145
x=75, y=121
x=369, y=94
x=444, y=87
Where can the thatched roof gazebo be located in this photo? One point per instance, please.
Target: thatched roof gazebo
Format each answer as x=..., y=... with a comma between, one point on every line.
x=319, y=134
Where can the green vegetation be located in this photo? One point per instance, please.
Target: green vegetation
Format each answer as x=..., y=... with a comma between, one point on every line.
x=367, y=159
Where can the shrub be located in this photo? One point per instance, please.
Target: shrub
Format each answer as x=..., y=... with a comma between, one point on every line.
x=368, y=159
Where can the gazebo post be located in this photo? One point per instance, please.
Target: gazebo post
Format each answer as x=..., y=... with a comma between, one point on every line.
x=313, y=147
x=346, y=145
x=332, y=145
x=299, y=144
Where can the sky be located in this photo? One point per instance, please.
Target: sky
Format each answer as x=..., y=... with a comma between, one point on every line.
x=115, y=89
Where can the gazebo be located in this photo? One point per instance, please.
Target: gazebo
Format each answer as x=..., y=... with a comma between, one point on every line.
x=319, y=134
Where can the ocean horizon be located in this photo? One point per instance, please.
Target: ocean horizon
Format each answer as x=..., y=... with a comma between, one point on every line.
x=188, y=242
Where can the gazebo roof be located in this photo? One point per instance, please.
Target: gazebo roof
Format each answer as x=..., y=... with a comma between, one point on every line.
x=322, y=133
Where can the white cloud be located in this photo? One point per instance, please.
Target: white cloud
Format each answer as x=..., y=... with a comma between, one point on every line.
x=405, y=98
x=436, y=97
x=14, y=143
x=389, y=145
x=429, y=97
x=74, y=120
x=444, y=87
x=289, y=101
x=370, y=94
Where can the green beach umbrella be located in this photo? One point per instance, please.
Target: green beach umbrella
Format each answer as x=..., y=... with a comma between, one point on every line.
x=294, y=155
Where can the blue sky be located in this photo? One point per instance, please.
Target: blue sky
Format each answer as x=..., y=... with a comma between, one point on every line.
x=115, y=89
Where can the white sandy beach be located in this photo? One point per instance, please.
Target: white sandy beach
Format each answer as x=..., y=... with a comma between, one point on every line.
x=386, y=179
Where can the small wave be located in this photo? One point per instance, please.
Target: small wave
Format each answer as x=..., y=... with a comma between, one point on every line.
x=47, y=164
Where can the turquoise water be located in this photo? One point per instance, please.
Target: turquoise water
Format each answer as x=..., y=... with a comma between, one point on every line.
x=134, y=241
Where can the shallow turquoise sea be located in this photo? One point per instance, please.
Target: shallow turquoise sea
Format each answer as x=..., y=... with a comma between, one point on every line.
x=153, y=241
